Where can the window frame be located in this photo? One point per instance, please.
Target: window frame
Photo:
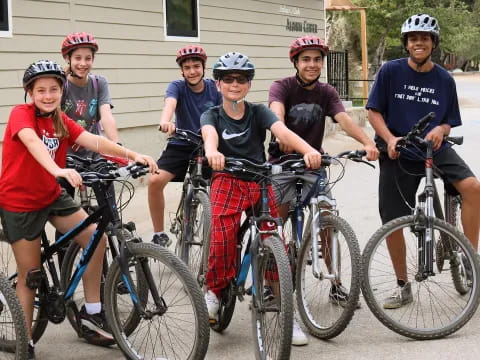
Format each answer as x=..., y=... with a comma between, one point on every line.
x=8, y=20
x=181, y=38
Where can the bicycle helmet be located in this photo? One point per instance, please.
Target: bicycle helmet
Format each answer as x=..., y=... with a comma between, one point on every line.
x=233, y=62
x=421, y=23
x=191, y=51
x=307, y=42
x=43, y=68
x=77, y=40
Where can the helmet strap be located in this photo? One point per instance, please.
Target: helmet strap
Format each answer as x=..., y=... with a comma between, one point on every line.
x=38, y=113
x=420, y=64
x=303, y=83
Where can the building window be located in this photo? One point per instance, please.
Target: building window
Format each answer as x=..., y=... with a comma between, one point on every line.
x=5, y=18
x=181, y=19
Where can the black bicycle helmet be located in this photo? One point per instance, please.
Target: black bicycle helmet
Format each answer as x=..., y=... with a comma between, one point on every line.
x=43, y=68
x=233, y=62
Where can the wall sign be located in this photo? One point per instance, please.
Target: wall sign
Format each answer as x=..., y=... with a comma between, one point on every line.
x=301, y=26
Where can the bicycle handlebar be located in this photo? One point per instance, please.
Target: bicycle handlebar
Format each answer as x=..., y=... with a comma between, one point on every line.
x=188, y=135
x=133, y=170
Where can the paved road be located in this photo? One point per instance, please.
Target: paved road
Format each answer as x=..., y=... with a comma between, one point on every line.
x=365, y=337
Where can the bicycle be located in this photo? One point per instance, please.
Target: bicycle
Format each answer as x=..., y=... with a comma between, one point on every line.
x=318, y=282
x=191, y=224
x=131, y=312
x=13, y=333
x=271, y=288
x=436, y=309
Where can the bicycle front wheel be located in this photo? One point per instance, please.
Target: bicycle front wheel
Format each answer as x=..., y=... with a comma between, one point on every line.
x=195, y=242
x=434, y=308
x=326, y=302
x=175, y=322
x=13, y=332
x=272, y=304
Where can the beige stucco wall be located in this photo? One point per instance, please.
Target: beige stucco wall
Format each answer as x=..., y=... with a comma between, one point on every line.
x=136, y=59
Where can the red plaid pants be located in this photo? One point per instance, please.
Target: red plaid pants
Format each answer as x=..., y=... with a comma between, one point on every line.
x=229, y=197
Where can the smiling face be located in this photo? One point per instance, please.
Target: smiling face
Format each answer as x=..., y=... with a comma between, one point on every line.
x=46, y=93
x=81, y=61
x=419, y=45
x=309, y=65
x=192, y=71
x=234, y=86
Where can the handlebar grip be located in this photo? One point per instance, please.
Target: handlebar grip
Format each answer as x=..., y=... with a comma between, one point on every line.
x=457, y=140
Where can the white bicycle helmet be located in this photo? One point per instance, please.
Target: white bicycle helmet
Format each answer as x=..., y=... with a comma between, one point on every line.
x=421, y=23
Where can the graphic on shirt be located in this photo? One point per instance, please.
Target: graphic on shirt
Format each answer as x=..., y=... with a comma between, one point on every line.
x=80, y=108
x=68, y=106
x=418, y=94
x=52, y=144
x=92, y=108
x=305, y=114
x=227, y=136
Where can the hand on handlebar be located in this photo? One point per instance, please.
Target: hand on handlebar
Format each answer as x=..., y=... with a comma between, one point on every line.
x=147, y=160
x=71, y=175
x=216, y=160
x=313, y=159
x=436, y=135
x=372, y=152
x=167, y=127
x=392, y=148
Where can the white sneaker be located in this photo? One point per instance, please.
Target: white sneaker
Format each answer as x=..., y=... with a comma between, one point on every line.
x=212, y=304
x=298, y=336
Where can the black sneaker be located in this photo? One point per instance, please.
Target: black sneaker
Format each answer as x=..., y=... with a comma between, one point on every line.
x=339, y=295
x=95, y=324
x=31, y=352
x=162, y=240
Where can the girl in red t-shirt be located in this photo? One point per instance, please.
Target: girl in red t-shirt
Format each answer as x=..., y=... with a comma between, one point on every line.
x=34, y=155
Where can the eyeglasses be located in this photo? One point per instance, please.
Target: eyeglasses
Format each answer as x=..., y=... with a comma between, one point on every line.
x=229, y=79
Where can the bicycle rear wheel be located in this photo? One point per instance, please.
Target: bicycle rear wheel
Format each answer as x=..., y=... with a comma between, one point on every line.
x=324, y=310
x=195, y=241
x=13, y=332
x=436, y=309
x=181, y=332
x=272, y=309
x=8, y=267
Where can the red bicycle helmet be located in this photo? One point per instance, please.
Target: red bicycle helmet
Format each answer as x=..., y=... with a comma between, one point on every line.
x=191, y=51
x=307, y=42
x=77, y=40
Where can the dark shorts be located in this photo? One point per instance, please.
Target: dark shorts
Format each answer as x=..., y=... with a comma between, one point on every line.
x=29, y=225
x=406, y=176
x=175, y=159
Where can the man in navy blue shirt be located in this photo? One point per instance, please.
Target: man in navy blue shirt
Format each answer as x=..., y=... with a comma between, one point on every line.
x=188, y=99
x=405, y=90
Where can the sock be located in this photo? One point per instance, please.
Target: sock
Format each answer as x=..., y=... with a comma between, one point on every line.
x=30, y=342
x=93, y=308
x=400, y=283
x=159, y=233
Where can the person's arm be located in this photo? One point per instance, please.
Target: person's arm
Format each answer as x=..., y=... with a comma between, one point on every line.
x=278, y=109
x=210, y=142
x=102, y=145
x=378, y=123
x=437, y=135
x=166, y=124
x=108, y=122
x=356, y=132
x=37, y=149
x=312, y=157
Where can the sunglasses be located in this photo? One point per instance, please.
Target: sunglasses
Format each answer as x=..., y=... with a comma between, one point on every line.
x=229, y=79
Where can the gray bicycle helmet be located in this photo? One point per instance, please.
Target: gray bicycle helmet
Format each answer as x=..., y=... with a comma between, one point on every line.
x=43, y=68
x=421, y=23
x=233, y=62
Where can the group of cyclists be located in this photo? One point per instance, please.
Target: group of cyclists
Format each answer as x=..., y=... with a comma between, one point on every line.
x=70, y=108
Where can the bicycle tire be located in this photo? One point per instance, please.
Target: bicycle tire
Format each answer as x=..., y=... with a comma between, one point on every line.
x=272, y=313
x=379, y=279
x=324, y=316
x=13, y=332
x=290, y=239
x=71, y=259
x=179, y=291
x=226, y=309
x=195, y=240
x=8, y=267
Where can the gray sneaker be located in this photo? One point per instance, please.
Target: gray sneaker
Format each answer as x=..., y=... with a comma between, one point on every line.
x=401, y=296
x=162, y=240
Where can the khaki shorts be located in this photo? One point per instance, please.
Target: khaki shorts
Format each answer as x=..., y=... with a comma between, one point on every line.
x=29, y=225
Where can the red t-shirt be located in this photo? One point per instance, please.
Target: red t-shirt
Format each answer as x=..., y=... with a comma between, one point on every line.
x=24, y=184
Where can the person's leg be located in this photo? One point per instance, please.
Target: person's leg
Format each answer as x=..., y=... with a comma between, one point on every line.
x=156, y=199
x=27, y=257
x=469, y=188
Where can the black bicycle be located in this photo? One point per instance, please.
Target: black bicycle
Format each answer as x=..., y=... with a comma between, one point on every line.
x=437, y=308
x=147, y=294
x=326, y=267
x=191, y=224
x=271, y=285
